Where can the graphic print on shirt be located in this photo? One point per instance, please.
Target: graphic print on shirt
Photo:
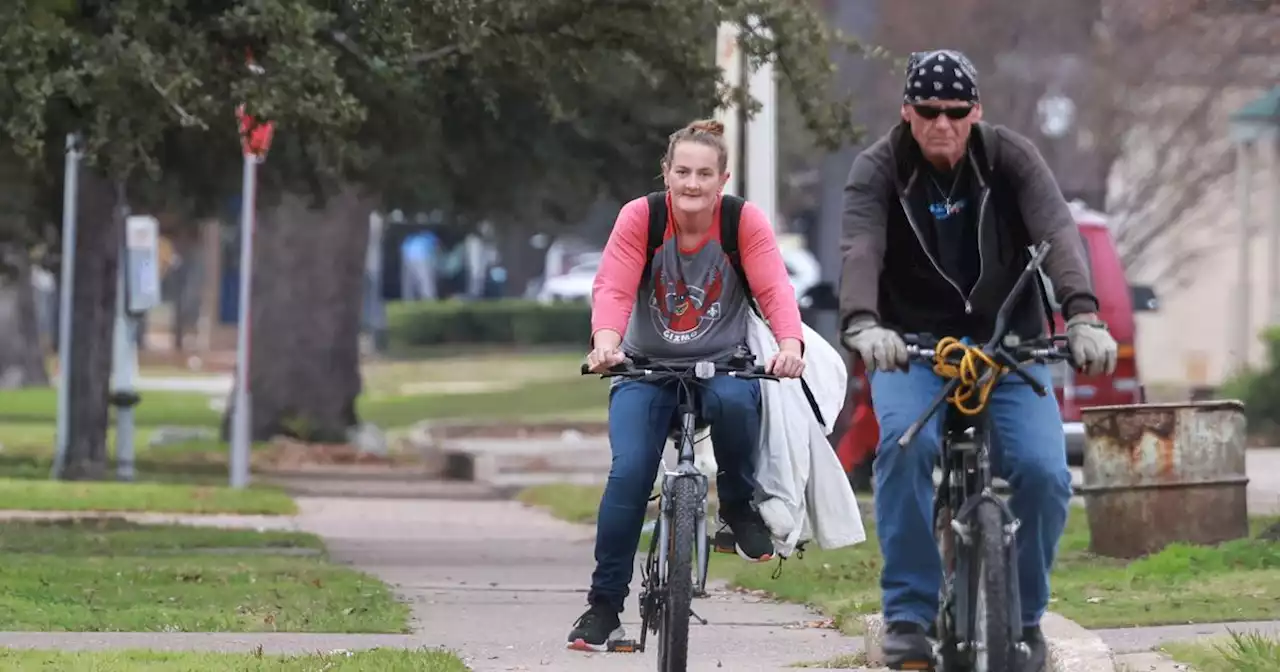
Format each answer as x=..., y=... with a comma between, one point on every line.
x=683, y=313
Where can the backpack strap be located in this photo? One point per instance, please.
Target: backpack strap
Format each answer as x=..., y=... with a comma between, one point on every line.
x=657, y=229
x=730, y=218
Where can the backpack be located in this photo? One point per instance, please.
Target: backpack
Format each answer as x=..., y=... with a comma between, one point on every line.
x=730, y=216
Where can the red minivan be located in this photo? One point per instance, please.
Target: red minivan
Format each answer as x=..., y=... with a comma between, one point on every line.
x=1119, y=301
x=1116, y=298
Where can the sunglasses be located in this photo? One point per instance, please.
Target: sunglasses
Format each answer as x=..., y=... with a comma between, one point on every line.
x=953, y=113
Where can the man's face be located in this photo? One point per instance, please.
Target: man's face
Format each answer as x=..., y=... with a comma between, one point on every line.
x=941, y=127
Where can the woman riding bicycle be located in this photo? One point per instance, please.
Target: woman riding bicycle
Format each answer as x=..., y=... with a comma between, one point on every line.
x=690, y=306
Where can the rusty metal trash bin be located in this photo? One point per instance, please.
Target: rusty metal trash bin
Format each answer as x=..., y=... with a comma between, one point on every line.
x=1155, y=474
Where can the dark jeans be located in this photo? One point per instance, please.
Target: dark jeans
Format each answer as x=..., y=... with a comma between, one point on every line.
x=640, y=418
x=1028, y=450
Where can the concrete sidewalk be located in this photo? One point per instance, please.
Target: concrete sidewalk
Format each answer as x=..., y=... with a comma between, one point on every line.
x=502, y=584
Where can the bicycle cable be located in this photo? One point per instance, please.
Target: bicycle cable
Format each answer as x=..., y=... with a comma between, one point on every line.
x=970, y=368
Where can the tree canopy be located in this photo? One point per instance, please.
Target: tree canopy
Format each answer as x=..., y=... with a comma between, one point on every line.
x=472, y=103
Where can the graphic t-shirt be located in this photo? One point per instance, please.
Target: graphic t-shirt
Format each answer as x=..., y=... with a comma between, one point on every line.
x=692, y=305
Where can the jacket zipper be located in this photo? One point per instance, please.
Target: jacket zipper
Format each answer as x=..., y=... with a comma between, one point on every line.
x=982, y=216
x=906, y=208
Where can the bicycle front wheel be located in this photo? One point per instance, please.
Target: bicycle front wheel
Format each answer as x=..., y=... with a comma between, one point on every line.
x=991, y=612
x=679, y=580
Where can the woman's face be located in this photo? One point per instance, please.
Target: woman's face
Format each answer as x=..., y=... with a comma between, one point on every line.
x=694, y=177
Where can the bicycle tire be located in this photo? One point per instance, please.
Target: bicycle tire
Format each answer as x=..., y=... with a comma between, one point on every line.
x=679, y=579
x=991, y=631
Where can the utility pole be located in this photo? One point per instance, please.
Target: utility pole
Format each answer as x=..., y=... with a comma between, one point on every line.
x=66, y=292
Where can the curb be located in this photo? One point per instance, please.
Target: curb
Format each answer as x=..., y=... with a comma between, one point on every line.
x=1072, y=648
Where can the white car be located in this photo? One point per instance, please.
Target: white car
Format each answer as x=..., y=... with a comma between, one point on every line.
x=572, y=285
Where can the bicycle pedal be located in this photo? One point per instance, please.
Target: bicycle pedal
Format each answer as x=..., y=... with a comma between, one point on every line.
x=623, y=646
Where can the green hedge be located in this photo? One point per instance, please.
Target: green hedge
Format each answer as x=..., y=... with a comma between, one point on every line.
x=1260, y=391
x=507, y=322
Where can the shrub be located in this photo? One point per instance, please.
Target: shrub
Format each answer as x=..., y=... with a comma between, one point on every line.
x=502, y=322
x=1260, y=390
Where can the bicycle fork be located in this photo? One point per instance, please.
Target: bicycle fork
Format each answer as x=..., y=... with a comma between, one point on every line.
x=963, y=525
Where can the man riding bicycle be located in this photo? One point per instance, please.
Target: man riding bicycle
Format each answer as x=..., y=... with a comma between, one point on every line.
x=938, y=215
x=682, y=302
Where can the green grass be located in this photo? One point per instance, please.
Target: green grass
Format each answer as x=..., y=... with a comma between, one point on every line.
x=39, y=406
x=373, y=660
x=549, y=399
x=112, y=575
x=1181, y=584
x=48, y=495
x=574, y=503
x=1241, y=652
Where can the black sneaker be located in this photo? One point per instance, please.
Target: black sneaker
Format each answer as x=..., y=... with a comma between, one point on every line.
x=907, y=647
x=595, y=629
x=1037, y=656
x=754, y=543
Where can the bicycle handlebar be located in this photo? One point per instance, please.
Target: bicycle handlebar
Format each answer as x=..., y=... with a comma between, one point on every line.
x=646, y=369
x=1006, y=359
x=922, y=347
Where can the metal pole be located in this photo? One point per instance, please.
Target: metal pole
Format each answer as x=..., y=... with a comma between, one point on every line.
x=69, y=190
x=241, y=422
x=125, y=350
x=762, y=145
x=1274, y=266
x=729, y=59
x=124, y=361
x=1244, y=337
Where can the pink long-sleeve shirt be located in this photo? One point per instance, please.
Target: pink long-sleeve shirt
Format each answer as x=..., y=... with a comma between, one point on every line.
x=692, y=305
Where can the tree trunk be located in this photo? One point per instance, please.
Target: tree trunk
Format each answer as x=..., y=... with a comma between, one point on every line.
x=304, y=371
x=99, y=233
x=21, y=354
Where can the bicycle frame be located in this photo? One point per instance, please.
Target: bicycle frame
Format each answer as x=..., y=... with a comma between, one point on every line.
x=653, y=594
x=967, y=483
x=685, y=469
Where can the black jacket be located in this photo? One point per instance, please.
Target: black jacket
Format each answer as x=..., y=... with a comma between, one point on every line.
x=891, y=271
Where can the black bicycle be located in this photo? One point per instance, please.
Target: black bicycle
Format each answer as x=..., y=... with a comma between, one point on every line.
x=979, y=624
x=669, y=582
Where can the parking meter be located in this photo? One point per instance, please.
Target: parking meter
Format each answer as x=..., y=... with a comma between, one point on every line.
x=142, y=264
x=138, y=291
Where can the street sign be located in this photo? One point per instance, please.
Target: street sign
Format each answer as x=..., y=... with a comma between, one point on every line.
x=255, y=136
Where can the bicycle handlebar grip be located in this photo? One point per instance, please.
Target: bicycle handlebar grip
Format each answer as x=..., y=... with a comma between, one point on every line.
x=586, y=370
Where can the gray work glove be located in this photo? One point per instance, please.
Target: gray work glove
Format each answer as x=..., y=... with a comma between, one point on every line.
x=1093, y=350
x=880, y=349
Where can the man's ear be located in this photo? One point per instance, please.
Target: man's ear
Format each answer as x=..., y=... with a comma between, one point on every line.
x=906, y=113
x=977, y=112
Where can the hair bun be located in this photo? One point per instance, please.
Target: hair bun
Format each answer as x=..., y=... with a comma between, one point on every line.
x=707, y=126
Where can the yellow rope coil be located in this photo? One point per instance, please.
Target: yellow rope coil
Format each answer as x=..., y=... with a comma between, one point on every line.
x=973, y=363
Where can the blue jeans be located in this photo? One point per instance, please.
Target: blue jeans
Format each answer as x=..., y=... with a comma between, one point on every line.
x=1028, y=450
x=640, y=418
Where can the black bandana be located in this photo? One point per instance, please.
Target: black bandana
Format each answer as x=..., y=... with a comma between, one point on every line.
x=940, y=75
